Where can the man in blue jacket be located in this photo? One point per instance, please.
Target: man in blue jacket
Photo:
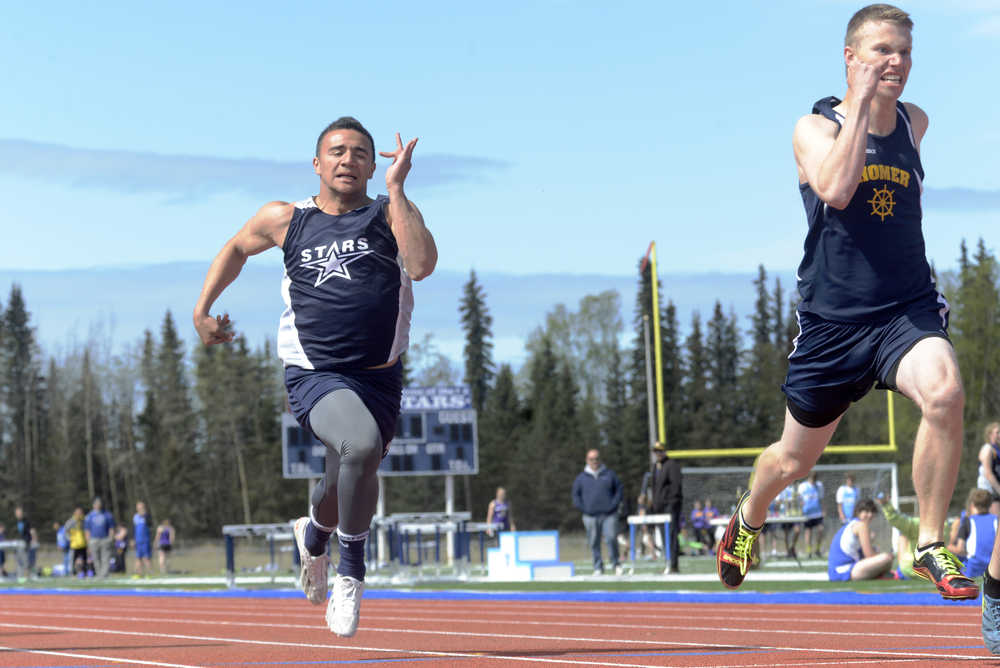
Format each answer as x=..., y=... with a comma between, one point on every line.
x=597, y=493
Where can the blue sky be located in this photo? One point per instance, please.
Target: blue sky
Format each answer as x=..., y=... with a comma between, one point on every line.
x=554, y=136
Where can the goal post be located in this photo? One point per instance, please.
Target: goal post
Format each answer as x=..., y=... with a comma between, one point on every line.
x=723, y=486
x=753, y=451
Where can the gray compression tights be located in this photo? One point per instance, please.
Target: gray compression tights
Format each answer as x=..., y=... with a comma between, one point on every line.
x=347, y=495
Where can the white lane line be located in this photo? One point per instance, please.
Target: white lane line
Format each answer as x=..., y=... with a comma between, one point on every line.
x=895, y=652
x=460, y=620
x=300, y=645
x=77, y=655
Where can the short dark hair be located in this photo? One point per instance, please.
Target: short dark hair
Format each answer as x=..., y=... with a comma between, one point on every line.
x=346, y=123
x=865, y=504
x=874, y=14
x=980, y=499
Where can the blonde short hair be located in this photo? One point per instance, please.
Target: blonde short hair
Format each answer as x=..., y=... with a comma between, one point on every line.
x=989, y=429
x=874, y=14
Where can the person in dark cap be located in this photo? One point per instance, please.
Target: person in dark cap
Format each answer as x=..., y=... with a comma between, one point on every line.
x=668, y=498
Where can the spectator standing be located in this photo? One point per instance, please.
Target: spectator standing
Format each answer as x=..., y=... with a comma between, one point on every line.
x=62, y=542
x=788, y=502
x=596, y=493
x=77, y=541
x=27, y=533
x=3, y=554
x=499, y=515
x=668, y=498
x=811, y=497
x=165, y=537
x=141, y=525
x=120, y=549
x=847, y=496
x=989, y=465
x=99, y=525
x=711, y=513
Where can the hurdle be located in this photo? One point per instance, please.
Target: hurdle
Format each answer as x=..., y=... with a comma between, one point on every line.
x=422, y=532
x=272, y=532
x=662, y=520
x=21, y=556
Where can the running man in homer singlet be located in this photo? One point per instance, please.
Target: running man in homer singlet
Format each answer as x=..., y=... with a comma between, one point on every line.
x=869, y=311
x=349, y=260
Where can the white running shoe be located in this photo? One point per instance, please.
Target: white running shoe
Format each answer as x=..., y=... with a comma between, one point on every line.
x=345, y=605
x=312, y=577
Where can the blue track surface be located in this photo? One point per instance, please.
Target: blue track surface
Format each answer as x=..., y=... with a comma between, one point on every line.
x=755, y=598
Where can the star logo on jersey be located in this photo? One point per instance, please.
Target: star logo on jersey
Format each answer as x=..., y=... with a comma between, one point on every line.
x=333, y=263
x=882, y=203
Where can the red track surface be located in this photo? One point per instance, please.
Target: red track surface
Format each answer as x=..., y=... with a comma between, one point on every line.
x=91, y=630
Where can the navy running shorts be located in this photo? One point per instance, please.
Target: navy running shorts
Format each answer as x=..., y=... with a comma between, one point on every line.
x=836, y=363
x=380, y=390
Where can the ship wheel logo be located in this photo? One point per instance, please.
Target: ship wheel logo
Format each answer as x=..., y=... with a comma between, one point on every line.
x=882, y=203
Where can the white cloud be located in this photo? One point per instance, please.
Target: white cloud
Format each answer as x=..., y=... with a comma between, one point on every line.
x=188, y=177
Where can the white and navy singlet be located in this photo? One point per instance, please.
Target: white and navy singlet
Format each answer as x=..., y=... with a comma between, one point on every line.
x=348, y=298
x=867, y=263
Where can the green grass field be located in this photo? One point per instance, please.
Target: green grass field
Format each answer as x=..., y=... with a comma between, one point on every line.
x=201, y=565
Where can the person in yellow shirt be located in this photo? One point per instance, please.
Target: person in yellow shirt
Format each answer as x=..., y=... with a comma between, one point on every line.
x=77, y=542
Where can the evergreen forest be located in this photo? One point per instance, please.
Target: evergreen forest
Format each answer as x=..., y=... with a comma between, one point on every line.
x=194, y=431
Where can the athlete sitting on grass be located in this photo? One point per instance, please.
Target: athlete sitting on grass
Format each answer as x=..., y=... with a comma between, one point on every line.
x=852, y=554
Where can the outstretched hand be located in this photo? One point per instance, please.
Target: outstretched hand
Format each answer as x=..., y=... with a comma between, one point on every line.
x=396, y=173
x=214, y=330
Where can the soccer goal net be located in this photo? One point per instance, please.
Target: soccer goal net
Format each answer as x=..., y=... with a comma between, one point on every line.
x=722, y=486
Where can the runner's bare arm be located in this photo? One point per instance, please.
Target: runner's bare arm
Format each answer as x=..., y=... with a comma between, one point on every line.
x=416, y=244
x=863, y=532
x=831, y=161
x=266, y=229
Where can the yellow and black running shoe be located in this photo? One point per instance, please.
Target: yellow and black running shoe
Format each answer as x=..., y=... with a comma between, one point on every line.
x=944, y=569
x=734, y=554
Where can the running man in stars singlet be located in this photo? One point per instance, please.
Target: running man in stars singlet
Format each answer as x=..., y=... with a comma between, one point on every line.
x=869, y=311
x=349, y=261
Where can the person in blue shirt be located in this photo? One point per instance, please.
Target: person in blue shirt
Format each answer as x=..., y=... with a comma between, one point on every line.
x=853, y=556
x=847, y=496
x=499, y=515
x=596, y=493
x=28, y=534
x=976, y=534
x=99, y=526
x=141, y=523
x=62, y=542
x=811, y=496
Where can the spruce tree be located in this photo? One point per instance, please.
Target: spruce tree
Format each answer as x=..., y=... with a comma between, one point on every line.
x=975, y=332
x=501, y=425
x=478, y=352
x=20, y=381
x=722, y=354
x=697, y=403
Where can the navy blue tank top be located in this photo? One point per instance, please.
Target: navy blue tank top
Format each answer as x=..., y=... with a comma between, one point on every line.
x=500, y=515
x=347, y=297
x=867, y=262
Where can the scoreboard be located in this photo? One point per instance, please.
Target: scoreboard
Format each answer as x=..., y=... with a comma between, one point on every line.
x=435, y=435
